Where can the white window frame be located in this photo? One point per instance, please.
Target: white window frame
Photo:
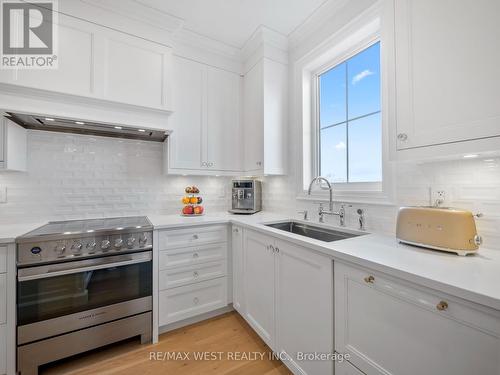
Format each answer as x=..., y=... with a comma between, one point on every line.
x=352, y=39
x=346, y=186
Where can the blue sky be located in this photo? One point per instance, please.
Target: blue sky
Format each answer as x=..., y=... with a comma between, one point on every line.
x=348, y=91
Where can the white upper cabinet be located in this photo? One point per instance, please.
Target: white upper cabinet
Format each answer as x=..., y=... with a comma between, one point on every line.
x=447, y=74
x=265, y=117
x=224, y=133
x=101, y=63
x=133, y=70
x=74, y=74
x=185, y=145
x=13, y=146
x=206, y=124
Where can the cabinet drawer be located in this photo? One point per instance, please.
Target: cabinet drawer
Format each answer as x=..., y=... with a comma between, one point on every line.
x=3, y=259
x=171, y=239
x=175, y=277
x=192, y=255
x=3, y=298
x=191, y=300
x=374, y=313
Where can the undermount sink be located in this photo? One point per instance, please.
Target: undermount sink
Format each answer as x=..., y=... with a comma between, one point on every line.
x=313, y=231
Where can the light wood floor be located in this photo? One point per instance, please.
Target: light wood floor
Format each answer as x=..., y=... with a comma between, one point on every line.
x=225, y=333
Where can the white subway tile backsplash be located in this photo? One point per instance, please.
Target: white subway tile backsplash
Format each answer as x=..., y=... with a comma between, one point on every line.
x=73, y=176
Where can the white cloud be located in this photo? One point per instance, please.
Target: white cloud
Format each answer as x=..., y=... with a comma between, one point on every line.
x=358, y=77
x=340, y=146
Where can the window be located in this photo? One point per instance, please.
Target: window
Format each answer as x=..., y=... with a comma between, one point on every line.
x=350, y=125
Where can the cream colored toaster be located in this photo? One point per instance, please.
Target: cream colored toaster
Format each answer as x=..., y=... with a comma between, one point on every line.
x=446, y=229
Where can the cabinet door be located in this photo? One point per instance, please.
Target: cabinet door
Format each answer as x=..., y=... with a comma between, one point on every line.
x=446, y=71
x=187, y=150
x=304, y=304
x=388, y=326
x=259, y=285
x=253, y=118
x=238, y=270
x=74, y=74
x=132, y=70
x=224, y=138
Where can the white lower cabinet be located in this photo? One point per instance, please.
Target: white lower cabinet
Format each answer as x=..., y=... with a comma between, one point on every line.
x=258, y=273
x=238, y=280
x=188, y=301
x=288, y=293
x=3, y=349
x=304, y=307
x=192, y=272
x=389, y=326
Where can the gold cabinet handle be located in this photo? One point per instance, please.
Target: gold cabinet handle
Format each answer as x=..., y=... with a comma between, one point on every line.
x=442, y=306
x=369, y=279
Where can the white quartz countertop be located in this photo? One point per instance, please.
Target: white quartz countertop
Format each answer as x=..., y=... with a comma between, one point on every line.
x=475, y=278
x=9, y=232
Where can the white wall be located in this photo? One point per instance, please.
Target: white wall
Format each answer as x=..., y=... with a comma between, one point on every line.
x=470, y=184
x=73, y=176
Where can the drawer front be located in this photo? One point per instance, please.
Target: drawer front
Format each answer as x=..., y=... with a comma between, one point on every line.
x=3, y=349
x=188, y=301
x=3, y=259
x=375, y=313
x=188, y=275
x=171, y=239
x=3, y=298
x=186, y=256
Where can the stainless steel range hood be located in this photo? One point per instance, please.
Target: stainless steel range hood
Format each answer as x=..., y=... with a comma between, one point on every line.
x=65, y=125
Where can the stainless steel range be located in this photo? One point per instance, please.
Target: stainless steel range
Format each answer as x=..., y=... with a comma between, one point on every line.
x=80, y=285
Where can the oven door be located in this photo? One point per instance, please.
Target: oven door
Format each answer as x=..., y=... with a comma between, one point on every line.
x=64, y=297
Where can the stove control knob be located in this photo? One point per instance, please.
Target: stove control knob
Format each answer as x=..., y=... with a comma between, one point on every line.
x=91, y=246
x=60, y=249
x=131, y=242
x=143, y=240
x=76, y=247
x=118, y=243
x=105, y=245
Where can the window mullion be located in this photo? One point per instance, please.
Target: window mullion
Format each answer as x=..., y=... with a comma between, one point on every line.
x=347, y=118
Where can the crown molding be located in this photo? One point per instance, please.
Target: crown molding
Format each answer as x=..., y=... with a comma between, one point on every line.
x=315, y=21
x=138, y=11
x=264, y=43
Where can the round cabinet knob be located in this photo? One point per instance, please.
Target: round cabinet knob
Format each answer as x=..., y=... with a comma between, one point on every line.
x=105, y=245
x=195, y=255
x=403, y=137
x=91, y=246
x=76, y=247
x=442, y=306
x=369, y=279
x=118, y=243
x=131, y=242
x=60, y=249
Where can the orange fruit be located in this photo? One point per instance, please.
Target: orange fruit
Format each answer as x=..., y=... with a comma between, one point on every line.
x=185, y=200
x=193, y=200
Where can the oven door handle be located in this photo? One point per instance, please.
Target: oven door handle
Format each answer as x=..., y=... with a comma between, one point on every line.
x=27, y=274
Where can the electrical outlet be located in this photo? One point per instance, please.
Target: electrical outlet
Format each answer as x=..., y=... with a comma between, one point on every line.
x=439, y=198
x=3, y=194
